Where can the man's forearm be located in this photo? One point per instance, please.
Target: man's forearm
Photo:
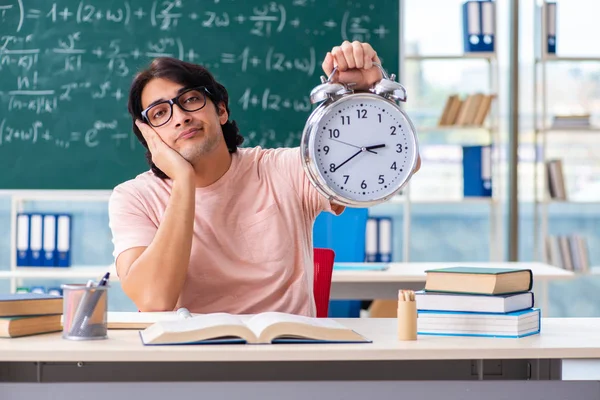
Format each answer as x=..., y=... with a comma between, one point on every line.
x=156, y=278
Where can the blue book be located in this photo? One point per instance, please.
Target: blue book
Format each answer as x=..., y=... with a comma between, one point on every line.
x=264, y=328
x=515, y=324
x=477, y=171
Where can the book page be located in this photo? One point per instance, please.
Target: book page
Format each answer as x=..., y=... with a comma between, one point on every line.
x=200, y=322
x=260, y=322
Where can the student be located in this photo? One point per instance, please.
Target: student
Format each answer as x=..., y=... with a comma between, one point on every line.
x=213, y=227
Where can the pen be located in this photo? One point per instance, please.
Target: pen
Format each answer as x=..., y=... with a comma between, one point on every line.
x=88, y=309
x=79, y=313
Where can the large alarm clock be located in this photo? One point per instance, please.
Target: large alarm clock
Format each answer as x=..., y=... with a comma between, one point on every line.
x=359, y=149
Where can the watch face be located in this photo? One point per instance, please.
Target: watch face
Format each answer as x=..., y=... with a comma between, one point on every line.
x=364, y=147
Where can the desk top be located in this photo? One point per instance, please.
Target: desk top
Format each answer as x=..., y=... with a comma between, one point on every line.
x=415, y=272
x=560, y=338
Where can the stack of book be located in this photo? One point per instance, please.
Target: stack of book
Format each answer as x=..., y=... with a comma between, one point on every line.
x=26, y=314
x=472, y=111
x=469, y=301
x=568, y=251
x=571, y=121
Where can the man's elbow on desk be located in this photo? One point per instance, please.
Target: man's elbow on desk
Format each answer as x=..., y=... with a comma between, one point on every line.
x=150, y=302
x=148, y=299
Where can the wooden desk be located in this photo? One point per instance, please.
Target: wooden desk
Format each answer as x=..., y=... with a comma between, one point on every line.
x=459, y=367
x=369, y=285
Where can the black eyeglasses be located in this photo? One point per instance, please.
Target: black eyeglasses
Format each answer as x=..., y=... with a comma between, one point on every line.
x=192, y=99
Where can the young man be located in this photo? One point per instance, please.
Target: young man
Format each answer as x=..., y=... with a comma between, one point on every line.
x=211, y=227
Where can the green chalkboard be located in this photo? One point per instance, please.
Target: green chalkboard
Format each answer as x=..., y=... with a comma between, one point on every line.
x=66, y=67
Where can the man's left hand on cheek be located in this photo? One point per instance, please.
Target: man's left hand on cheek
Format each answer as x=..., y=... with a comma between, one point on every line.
x=355, y=64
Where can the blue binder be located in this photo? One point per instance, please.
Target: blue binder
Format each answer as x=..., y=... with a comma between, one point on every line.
x=477, y=171
x=479, y=26
x=551, y=28
x=372, y=240
x=36, y=235
x=23, y=251
x=384, y=239
x=63, y=240
x=49, y=242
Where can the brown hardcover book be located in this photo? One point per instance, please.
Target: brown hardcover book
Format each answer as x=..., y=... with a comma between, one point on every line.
x=453, y=111
x=29, y=325
x=476, y=280
x=484, y=109
x=473, y=108
x=463, y=112
x=30, y=304
x=443, y=121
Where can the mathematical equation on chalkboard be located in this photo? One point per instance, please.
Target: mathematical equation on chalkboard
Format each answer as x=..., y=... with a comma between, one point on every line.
x=77, y=58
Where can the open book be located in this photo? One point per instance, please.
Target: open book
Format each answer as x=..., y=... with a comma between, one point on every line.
x=268, y=327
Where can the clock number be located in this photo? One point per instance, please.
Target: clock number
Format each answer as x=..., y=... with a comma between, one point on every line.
x=345, y=118
x=363, y=185
x=326, y=149
x=394, y=166
x=381, y=180
x=347, y=177
x=334, y=133
x=379, y=115
x=393, y=128
x=331, y=167
x=361, y=114
x=398, y=148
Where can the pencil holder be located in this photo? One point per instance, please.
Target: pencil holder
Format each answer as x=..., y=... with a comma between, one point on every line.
x=84, y=312
x=407, y=320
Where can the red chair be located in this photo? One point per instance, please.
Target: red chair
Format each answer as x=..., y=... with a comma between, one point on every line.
x=323, y=261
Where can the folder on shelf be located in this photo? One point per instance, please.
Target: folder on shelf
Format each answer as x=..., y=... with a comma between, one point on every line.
x=22, y=240
x=371, y=240
x=551, y=28
x=384, y=239
x=63, y=240
x=49, y=242
x=35, y=239
x=479, y=26
x=477, y=171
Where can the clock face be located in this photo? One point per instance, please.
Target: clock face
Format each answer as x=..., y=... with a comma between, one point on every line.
x=364, y=147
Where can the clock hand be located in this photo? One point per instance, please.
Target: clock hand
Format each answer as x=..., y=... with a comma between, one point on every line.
x=349, y=144
x=377, y=146
x=351, y=157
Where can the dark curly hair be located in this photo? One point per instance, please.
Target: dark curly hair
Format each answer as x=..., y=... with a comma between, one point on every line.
x=188, y=75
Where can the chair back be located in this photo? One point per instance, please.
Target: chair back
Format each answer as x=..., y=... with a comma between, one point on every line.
x=323, y=262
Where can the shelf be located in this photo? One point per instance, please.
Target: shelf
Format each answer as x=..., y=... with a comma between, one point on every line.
x=574, y=129
x=453, y=128
x=554, y=201
x=91, y=272
x=58, y=195
x=465, y=200
x=567, y=59
x=467, y=56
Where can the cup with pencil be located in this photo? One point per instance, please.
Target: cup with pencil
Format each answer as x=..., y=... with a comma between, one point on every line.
x=407, y=315
x=84, y=310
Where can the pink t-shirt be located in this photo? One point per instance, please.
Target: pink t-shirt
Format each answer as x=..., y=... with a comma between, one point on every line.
x=252, y=248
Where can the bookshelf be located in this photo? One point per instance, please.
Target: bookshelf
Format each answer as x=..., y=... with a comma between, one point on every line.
x=18, y=200
x=489, y=130
x=544, y=132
